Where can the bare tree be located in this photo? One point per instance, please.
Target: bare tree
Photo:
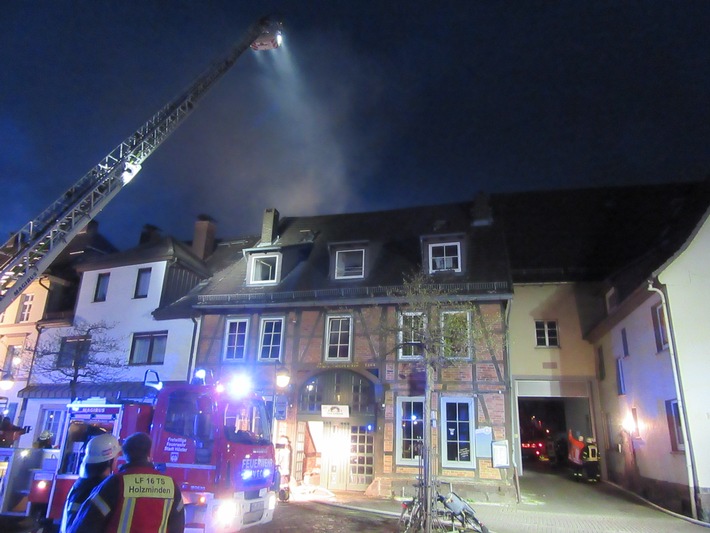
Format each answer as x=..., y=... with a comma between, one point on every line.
x=85, y=353
x=438, y=326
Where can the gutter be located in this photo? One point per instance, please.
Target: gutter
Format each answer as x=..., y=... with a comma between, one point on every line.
x=689, y=461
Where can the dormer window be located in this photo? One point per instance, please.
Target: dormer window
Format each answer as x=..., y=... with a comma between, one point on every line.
x=350, y=264
x=264, y=269
x=445, y=257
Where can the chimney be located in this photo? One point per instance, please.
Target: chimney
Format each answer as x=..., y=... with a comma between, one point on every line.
x=150, y=233
x=203, y=239
x=270, y=226
x=481, y=212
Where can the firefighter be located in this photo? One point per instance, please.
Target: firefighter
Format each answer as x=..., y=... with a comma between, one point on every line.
x=96, y=466
x=590, y=459
x=138, y=499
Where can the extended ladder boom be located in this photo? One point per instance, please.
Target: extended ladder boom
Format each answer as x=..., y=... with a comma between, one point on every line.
x=32, y=249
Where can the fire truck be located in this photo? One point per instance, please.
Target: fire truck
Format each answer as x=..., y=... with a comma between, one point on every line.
x=213, y=439
x=216, y=446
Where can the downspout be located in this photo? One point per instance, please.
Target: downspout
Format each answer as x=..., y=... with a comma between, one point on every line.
x=511, y=399
x=193, y=348
x=689, y=462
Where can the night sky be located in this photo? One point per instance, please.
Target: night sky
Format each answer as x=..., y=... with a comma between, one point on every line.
x=369, y=105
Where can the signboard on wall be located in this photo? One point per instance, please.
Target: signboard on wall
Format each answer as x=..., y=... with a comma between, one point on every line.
x=335, y=411
x=501, y=457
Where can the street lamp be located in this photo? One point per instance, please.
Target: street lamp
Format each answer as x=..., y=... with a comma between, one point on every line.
x=282, y=379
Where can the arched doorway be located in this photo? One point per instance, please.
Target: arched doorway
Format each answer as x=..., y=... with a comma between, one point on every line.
x=336, y=430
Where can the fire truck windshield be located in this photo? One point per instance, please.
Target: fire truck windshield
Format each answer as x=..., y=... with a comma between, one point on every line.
x=246, y=422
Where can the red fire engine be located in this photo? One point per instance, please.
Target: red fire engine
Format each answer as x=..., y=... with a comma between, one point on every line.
x=215, y=444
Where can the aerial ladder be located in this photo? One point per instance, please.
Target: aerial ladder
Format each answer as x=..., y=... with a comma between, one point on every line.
x=32, y=249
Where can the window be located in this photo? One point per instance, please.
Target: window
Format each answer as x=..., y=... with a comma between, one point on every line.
x=148, y=348
x=546, y=333
x=271, y=338
x=457, y=436
x=444, y=257
x=25, y=307
x=659, y=327
x=236, y=340
x=264, y=268
x=410, y=430
x=349, y=264
x=101, y=287
x=676, y=431
x=411, y=334
x=601, y=369
x=52, y=420
x=74, y=351
x=13, y=358
x=142, y=283
x=338, y=338
x=624, y=343
x=456, y=334
x=620, y=385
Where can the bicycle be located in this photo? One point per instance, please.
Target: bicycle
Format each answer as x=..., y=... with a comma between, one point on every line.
x=453, y=514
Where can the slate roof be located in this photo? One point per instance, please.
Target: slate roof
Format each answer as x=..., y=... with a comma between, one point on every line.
x=617, y=235
x=595, y=234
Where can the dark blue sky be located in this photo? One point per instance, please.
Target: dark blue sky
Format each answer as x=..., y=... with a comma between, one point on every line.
x=370, y=105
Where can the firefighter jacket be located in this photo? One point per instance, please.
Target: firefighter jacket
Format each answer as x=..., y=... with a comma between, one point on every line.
x=77, y=495
x=138, y=499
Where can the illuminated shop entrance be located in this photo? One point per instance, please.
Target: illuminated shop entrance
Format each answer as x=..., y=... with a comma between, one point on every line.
x=336, y=430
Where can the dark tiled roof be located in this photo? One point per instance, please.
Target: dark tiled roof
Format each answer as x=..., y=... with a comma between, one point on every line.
x=160, y=249
x=589, y=234
x=393, y=248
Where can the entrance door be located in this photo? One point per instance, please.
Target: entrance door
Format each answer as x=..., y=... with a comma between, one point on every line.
x=336, y=454
x=349, y=456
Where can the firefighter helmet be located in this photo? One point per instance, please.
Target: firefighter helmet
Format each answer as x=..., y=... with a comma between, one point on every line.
x=102, y=448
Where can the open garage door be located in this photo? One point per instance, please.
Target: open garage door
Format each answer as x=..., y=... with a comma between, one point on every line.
x=546, y=411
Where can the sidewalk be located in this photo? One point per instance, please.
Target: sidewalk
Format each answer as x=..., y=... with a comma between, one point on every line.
x=606, y=508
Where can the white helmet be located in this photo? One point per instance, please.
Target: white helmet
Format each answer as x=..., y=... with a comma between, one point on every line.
x=102, y=448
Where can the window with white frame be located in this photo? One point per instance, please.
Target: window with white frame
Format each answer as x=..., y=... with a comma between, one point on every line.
x=338, y=336
x=235, y=343
x=546, y=333
x=149, y=348
x=674, y=425
x=51, y=419
x=101, y=289
x=412, y=326
x=13, y=358
x=264, y=269
x=142, y=283
x=620, y=383
x=271, y=339
x=456, y=334
x=458, y=433
x=350, y=264
x=74, y=352
x=659, y=327
x=25, y=307
x=410, y=430
x=444, y=257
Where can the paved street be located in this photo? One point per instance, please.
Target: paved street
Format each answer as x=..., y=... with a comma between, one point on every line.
x=551, y=503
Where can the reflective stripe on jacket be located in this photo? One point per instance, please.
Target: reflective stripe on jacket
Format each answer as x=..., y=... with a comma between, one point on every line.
x=136, y=500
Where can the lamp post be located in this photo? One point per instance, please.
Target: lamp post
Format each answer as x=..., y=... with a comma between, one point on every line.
x=280, y=403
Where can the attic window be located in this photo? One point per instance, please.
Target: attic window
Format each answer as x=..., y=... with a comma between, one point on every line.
x=445, y=257
x=349, y=264
x=264, y=269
